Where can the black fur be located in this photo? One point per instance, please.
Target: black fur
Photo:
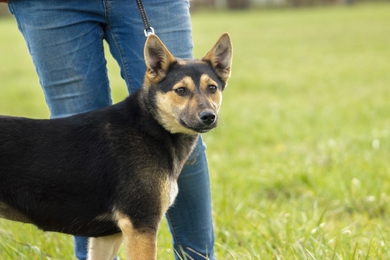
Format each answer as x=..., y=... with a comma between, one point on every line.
x=61, y=174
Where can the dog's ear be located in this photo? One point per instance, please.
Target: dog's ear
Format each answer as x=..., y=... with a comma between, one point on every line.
x=220, y=57
x=157, y=58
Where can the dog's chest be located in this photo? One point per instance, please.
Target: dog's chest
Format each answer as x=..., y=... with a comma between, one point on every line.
x=173, y=191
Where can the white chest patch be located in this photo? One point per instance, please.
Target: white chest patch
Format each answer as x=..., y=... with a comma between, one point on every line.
x=173, y=191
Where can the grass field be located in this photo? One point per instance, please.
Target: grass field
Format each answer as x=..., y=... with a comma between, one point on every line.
x=300, y=162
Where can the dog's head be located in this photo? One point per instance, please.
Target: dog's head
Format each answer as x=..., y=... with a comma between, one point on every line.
x=187, y=93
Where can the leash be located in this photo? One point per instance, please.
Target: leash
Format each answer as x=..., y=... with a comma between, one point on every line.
x=148, y=29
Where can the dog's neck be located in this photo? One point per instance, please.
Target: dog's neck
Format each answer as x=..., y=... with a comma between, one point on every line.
x=184, y=143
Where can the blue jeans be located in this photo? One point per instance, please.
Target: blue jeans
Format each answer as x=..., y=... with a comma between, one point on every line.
x=65, y=40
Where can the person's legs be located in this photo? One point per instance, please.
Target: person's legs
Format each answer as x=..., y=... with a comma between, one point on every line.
x=80, y=247
x=190, y=218
x=126, y=39
x=66, y=45
x=65, y=40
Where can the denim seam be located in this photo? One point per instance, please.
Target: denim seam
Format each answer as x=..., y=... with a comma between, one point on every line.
x=122, y=57
x=174, y=231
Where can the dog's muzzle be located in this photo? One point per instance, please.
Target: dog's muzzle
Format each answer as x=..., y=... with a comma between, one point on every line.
x=205, y=121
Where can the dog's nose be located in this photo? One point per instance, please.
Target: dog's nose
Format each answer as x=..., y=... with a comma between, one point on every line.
x=207, y=117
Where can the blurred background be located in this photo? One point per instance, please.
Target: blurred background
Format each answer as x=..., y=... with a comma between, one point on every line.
x=244, y=4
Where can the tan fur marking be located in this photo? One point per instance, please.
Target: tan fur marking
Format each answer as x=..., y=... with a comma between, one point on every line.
x=216, y=98
x=181, y=62
x=169, y=193
x=138, y=245
x=170, y=104
x=185, y=82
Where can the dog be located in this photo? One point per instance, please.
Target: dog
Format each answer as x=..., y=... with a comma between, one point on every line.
x=111, y=174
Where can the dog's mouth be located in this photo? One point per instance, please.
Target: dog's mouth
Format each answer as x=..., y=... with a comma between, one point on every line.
x=200, y=127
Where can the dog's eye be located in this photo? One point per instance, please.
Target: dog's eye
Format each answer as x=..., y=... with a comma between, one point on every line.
x=212, y=88
x=181, y=91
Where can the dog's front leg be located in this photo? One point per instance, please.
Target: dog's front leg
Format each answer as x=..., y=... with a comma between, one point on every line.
x=140, y=244
x=104, y=248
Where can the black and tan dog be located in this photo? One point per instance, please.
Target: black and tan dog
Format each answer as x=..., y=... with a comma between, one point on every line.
x=111, y=173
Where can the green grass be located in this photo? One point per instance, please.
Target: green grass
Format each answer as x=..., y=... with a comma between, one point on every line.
x=300, y=162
